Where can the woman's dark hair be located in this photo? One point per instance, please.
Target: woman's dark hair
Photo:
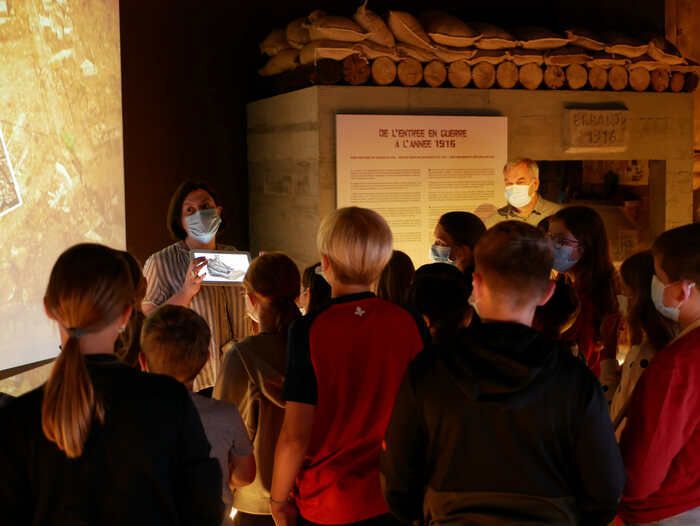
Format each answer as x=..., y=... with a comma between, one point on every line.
x=274, y=278
x=594, y=273
x=128, y=346
x=441, y=293
x=463, y=227
x=636, y=272
x=396, y=278
x=318, y=287
x=175, y=207
x=557, y=316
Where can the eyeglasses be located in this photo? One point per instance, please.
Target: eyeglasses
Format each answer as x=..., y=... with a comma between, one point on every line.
x=561, y=241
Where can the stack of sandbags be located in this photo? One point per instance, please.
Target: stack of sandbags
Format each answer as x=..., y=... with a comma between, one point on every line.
x=437, y=48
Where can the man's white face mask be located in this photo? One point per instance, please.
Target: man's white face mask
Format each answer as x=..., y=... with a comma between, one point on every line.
x=518, y=195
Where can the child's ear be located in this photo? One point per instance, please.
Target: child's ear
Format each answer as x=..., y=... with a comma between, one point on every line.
x=142, y=362
x=548, y=293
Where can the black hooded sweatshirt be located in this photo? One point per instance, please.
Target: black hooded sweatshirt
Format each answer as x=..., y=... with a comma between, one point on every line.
x=501, y=426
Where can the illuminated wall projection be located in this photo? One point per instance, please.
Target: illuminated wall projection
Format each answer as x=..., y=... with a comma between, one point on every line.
x=61, y=163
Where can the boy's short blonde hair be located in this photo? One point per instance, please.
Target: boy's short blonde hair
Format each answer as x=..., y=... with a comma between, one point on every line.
x=357, y=243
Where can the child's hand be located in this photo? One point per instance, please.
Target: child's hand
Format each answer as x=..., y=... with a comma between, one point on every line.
x=284, y=513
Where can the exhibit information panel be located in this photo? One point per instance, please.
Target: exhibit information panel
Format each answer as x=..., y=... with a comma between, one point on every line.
x=413, y=168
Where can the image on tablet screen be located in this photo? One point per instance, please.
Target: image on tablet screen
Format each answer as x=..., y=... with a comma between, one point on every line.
x=224, y=267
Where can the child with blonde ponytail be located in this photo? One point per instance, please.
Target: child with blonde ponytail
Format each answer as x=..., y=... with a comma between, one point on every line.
x=101, y=443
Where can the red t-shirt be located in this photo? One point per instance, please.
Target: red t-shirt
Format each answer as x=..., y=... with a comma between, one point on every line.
x=348, y=361
x=661, y=443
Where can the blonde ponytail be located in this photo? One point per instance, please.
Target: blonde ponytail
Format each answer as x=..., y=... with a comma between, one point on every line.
x=69, y=401
x=89, y=288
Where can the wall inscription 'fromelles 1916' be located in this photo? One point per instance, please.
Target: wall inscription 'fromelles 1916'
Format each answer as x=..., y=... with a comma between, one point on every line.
x=596, y=131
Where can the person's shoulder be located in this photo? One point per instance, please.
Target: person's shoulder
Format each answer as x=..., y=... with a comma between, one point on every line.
x=157, y=388
x=166, y=252
x=212, y=407
x=547, y=207
x=680, y=354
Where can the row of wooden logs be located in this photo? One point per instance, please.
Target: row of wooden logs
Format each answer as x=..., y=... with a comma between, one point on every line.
x=356, y=70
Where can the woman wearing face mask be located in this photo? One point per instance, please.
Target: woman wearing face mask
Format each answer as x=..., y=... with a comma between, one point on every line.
x=649, y=331
x=194, y=219
x=456, y=235
x=252, y=374
x=582, y=257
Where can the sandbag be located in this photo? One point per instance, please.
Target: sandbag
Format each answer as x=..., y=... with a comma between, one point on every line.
x=275, y=42
x=285, y=60
x=606, y=60
x=422, y=55
x=328, y=49
x=566, y=56
x=448, y=55
x=337, y=28
x=585, y=39
x=646, y=62
x=662, y=50
x=540, y=38
x=372, y=50
x=297, y=34
x=494, y=37
x=448, y=30
x=376, y=29
x=521, y=56
x=619, y=44
x=490, y=56
x=407, y=29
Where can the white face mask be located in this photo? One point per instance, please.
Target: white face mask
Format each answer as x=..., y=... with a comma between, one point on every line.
x=203, y=224
x=657, y=296
x=518, y=195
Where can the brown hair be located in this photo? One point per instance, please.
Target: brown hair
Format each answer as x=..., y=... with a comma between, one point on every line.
x=636, y=272
x=127, y=346
x=274, y=278
x=90, y=287
x=357, y=242
x=175, y=207
x=319, y=289
x=594, y=272
x=396, y=278
x=464, y=228
x=516, y=259
x=678, y=252
x=175, y=341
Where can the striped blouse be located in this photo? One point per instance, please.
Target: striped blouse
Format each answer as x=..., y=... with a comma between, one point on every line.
x=223, y=307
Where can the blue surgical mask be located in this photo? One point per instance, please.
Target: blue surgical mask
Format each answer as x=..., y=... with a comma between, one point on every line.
x=562, y=258
x=657, y=296
x=203, y=224
x=440, y=254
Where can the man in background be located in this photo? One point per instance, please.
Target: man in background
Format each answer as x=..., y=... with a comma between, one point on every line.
x=524, y=202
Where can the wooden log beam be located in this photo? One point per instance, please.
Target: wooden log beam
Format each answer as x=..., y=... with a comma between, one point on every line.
x=410, y=72
x=484, y=75
x=506, y=75
x=383, y=71
x=356, y=70
x=530, y=76
x=554, y=77
x=459, y=74
x=576, y=76
x=598, y=77
x=435, y=73
x=618, y=78
x=640, y=79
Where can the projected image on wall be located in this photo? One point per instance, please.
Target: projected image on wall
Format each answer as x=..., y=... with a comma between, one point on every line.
x=61, y=168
